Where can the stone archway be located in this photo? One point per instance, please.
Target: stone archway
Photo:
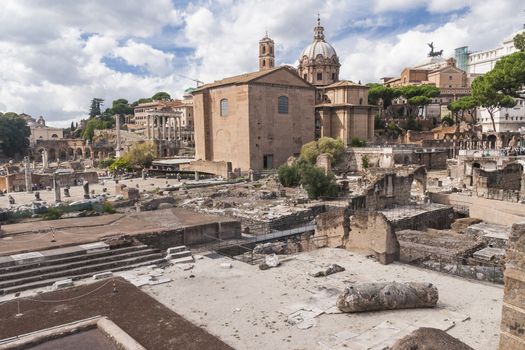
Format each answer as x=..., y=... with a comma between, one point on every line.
x=79, y=153
x=62, y=154
x=491, y=139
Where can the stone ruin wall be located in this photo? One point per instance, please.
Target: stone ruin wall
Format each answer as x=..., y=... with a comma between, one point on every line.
x=506, y=184
x=512, y=335
x=17, y=181
x=367, y=233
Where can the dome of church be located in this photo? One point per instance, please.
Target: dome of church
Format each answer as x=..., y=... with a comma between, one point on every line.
x=318, y=48
x=318, y=63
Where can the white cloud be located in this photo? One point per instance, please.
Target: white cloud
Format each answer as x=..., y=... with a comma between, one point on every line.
x=139, y=54
x=52, y=53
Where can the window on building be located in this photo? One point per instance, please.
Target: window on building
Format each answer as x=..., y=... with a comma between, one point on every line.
x=268, y=161
x=360, y=100
x=264, y=50
x=450, y=77
x=333, y=76
x=264, y=63
x=320, y=76
x=271, y=50
x=282, y=105
x=304, y=76
x=224, y=107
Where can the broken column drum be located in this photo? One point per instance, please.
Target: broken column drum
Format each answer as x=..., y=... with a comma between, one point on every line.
x=387, y=296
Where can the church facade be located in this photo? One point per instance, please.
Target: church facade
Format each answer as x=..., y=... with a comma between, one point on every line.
x=257, y=120
x=342, y=110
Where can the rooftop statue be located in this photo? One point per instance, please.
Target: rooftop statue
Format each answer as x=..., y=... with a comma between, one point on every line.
x=433, y=53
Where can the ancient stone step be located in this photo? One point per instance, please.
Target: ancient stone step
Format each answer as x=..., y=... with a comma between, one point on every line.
x=117, y=255
x=178, y=255
x=70, y=256
x=87, y=269
x=49, y=282
x=178, y=249
x=184, y=260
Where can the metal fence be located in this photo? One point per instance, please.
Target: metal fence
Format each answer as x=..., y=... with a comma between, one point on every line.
x=470, y=268
x=243, y=250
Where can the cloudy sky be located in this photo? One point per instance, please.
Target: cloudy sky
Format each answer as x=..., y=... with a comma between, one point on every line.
x=55, y=55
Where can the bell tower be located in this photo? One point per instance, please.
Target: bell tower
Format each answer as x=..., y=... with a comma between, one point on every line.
x=266, y=53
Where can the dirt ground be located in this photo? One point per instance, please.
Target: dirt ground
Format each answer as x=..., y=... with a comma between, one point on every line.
x=26, y=237
x=250, y=309
x=147, y=321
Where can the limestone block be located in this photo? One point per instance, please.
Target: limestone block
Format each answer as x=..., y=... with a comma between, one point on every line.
x=387, y=296
x=62, y=284
x=333, y=268
x=99, y=276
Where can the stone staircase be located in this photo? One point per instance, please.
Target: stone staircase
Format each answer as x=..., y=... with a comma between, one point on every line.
x=40, y=269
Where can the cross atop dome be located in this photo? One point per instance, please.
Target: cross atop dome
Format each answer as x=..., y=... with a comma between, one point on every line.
x=319, y=30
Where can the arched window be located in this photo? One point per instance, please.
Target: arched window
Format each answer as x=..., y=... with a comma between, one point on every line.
x=282, y=105
x=55, y=136
x=224, y=107
x=264, y=50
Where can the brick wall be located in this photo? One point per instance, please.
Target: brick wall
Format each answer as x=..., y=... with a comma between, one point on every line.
x=513, y=314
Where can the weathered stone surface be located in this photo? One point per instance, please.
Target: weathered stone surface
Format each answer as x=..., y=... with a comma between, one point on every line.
x=331, y=269
x=270, y=248
x=429, y=339
x=387, y=296
x=272, y=260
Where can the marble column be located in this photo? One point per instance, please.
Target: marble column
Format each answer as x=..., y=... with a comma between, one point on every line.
x=56, y=187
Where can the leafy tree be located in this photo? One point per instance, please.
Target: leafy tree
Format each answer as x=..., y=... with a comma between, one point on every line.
x=485, y=92
x=365, y=162
x=447, y=120
x=95, y=110
x=72, y=127
x=334, y=147
x=381, y=96
x=417, y=102
x=120, y=165
x=418, y=95
x=412, y=124
x=105, y=121
x=313, y=179
x=357, y=142
x=289, y=176
x=466, y=104
x=393, y=130
x=519, y=41
x=317, y=183
x=379, y=123
x=161, y=96
x=121, y=107
x=141, y=100
x=141, y=155
x=14, y=134
x=310, y=152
